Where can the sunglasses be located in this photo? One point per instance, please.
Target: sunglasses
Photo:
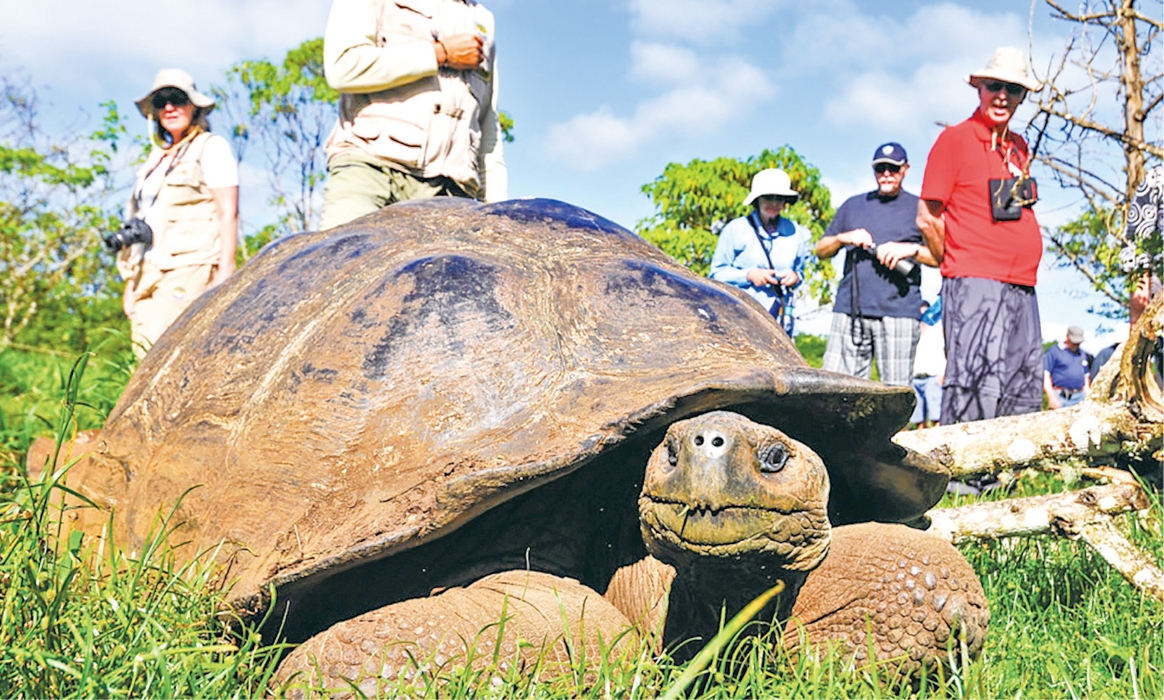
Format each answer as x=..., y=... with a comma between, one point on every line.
x=169, y=96
x=882, y=167
x=776, y=199
x=998, y=86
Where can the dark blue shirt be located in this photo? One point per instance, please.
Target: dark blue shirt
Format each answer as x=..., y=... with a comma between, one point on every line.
x=880, y=291
x=1068, y=369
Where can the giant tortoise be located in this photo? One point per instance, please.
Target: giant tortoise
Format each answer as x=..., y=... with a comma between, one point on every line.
x=403, y=425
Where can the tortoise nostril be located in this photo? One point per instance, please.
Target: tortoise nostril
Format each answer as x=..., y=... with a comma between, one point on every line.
x=699, y=440
x=717, y=441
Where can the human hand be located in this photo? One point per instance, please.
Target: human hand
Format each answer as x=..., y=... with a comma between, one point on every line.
x=889, y=254
x=760, y=277
x=462, y=51
x=858, y=237
x=788, y=278
x=1053, y=402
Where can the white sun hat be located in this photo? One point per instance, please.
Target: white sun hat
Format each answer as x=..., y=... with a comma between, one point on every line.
x=1009, y=65
x=174, y=78
x=772, y=181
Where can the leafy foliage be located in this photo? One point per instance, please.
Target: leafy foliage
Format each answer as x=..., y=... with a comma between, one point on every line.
x=693, y=202
x=57, y=281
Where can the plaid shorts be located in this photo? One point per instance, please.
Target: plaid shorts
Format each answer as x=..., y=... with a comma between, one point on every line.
x=853, y=342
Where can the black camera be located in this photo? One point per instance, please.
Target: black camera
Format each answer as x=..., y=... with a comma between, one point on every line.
x=132, y=231
x=1009, y=196
x=904, y=266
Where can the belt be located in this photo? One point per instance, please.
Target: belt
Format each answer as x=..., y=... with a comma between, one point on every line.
x=1068, y=393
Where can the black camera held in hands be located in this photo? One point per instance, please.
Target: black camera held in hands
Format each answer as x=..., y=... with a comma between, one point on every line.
x=903, y=266
x=132, y=231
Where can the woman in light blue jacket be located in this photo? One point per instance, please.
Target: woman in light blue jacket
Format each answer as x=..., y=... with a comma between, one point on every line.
x=763, y=253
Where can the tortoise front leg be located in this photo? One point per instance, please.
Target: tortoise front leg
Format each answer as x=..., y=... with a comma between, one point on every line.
x=915, y=592
x=537, y=621
x=641, y=590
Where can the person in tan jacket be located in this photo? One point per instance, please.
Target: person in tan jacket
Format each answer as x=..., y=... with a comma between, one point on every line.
x=418, y=105
x=187, y=195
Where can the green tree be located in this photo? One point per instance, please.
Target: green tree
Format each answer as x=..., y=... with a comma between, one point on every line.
x=1100, y=92
x=57, y=284
x=693, y=202
x=287, y=110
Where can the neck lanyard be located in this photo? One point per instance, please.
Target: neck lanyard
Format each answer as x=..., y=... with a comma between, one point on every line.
x=754, y=220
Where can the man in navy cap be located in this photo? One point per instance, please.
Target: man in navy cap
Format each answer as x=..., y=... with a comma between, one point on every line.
x=878, y=308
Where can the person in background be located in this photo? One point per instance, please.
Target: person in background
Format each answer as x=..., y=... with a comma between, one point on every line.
x=975, y=214
x=929, y=368
x=1145, y=224
x=1147, y=286
x=418, y=105
x=878, y=299
x=763, y=253
x=1066, y=376
x=186, y=193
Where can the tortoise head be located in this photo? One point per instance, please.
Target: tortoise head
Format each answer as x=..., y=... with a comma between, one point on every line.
x=721, y=487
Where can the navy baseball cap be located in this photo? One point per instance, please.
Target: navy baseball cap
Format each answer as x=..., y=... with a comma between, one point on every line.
x=890, y=153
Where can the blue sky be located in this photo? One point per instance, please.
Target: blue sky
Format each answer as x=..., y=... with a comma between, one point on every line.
x=606, y=92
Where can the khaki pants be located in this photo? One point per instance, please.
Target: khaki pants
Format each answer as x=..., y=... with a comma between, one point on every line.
x=160, y=305
x=356, y=187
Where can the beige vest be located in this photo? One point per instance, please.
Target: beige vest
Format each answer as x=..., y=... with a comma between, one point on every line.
x=188, y=233
x=430, y=127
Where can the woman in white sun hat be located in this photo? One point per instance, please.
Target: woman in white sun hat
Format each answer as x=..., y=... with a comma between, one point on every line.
x=763, y=253
x=187, y=195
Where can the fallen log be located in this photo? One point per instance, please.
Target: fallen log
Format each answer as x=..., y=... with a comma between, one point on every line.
x=1087, y=514
x=1121, y=422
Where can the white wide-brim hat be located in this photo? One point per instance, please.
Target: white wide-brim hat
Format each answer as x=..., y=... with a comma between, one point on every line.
x=1009, y=65
x=174, y=78
x=772, y=181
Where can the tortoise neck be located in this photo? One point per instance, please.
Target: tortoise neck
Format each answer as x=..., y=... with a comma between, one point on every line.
x=703, y=594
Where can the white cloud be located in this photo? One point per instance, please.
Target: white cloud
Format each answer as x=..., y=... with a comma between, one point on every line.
x=698, y=21
x=713, y=93
x=663, y=63
x=71, y=42
x=905, y=76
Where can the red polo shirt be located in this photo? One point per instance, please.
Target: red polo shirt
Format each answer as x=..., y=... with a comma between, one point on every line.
x=958, y=172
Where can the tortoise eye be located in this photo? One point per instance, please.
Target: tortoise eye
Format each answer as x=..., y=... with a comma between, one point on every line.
x=672, y=454
x=773, y=458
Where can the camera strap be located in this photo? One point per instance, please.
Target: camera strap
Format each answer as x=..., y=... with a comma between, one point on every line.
x=780, y=305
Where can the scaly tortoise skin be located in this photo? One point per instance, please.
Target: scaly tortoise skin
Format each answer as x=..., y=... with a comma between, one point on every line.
x=449, y=401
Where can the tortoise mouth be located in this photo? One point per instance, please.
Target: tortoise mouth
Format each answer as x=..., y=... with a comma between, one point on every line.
x=719, y=529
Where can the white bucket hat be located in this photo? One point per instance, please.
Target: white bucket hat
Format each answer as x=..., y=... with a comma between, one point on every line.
x=1009, y=65
x=772, y=181
x=174, y=78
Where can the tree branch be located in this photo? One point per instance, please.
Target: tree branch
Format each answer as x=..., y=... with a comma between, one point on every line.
x=1087, y=514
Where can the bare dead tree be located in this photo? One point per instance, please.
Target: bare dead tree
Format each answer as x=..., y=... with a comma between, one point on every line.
x=1094, y=116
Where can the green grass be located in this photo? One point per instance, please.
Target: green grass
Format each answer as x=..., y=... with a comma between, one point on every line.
x=33, y=387
x=78, y=619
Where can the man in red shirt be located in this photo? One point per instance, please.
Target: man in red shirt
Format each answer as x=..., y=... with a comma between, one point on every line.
x=976, y=219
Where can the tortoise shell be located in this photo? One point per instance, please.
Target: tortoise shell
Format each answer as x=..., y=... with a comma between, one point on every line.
x=356, y=393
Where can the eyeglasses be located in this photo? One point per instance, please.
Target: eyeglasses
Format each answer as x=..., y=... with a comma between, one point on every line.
x=169, y=96
x=882, y=167
x=998, y=86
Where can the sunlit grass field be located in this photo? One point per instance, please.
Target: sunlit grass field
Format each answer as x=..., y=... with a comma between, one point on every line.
x=81, y=619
